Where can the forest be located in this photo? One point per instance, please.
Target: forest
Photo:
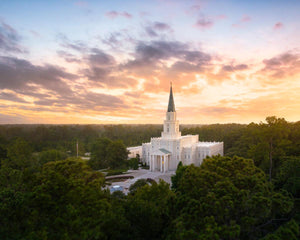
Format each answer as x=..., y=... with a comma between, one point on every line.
x=252, y=192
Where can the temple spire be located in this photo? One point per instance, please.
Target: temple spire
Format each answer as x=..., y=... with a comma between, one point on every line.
x=171, y=106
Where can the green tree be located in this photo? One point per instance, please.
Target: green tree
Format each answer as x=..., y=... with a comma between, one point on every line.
x=15, y=195
x=290, y=231
x=3, y=153
x=147, y=210
x=275, y=135
x=294, y=137
x=14, y=211
x=178, y=175
x=51, y=155
x=138, y=157
x=265, y=143
x=133, y=163
x=117, y=154
x=99, y=154
x=68, y=203
x=138, y=184
x=288, y=176
x=225, y=197
x=19, y=155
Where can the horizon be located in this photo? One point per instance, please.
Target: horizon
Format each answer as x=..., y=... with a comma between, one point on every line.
x=70, y=62
x=138, y=124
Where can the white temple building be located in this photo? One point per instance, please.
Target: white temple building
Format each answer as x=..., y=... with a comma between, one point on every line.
x=165, y=152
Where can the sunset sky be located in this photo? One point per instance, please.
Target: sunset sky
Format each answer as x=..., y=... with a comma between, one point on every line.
x=100, y=62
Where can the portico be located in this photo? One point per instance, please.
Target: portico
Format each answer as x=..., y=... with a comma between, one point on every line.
x=160, y=160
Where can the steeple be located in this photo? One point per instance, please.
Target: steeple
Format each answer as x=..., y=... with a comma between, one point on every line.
x=171, y=106
x=171, y=124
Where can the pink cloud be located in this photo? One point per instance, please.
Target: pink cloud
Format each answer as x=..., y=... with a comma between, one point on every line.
x=221, y=17
x=112, y=14
x=204, y=23
x=126, y=14
x=278, y=25
x=195, y=8
x=81, y=3
x=246, y=18
x=235, y=25
x=115, y=14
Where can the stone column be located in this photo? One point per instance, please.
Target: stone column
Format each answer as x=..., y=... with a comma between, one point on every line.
x=153, y=163
x=167, y=163
x=161, y=163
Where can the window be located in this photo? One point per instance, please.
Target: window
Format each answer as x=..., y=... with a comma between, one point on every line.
x=167, y=129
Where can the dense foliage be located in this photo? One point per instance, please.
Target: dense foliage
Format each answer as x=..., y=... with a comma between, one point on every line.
x=266, y=143
x=46, y=194
x=226, y=198
x=106, y=153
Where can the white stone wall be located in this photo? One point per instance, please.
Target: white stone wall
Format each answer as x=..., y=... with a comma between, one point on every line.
x=205, y=149
x=133, y=151
x=186, y=149
x=146, y=148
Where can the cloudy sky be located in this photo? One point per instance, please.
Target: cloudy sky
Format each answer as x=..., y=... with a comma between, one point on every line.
x=70, y=61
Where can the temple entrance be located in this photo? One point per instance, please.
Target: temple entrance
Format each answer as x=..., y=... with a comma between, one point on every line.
x=159, y=160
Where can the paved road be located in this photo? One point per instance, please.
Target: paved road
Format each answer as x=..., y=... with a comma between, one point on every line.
x=143, y=173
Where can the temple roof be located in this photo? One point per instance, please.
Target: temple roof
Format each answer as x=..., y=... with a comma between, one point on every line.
x=161, y=152
x=171, y=106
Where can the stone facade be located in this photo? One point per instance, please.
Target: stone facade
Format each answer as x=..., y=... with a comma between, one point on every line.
x=133, y=151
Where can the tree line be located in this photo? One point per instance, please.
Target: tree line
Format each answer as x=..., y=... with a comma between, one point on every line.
x=65, y=137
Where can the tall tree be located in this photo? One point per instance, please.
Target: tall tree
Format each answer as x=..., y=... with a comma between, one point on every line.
x=147, y=210
x=117, y=154
x=226, y=198
x=19, y=155
x=99, y=152
x=275, y=133
x=69, y=203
